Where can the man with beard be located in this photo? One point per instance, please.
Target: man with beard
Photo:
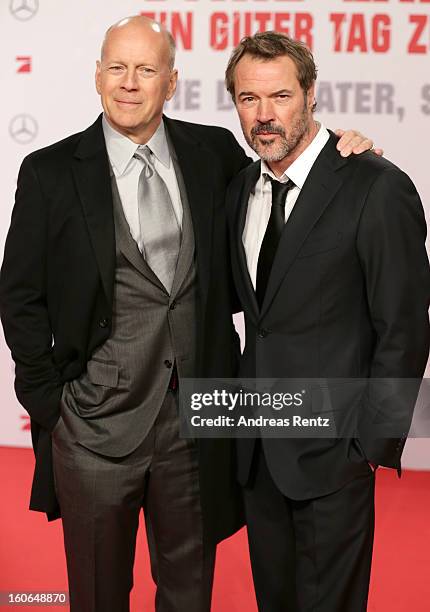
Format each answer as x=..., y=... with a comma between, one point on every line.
x=331, y=269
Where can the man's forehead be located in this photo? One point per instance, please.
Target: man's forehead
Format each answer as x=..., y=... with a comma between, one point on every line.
x=261, y=71
x=280, y=64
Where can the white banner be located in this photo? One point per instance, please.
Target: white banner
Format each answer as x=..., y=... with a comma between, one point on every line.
x=372, y=57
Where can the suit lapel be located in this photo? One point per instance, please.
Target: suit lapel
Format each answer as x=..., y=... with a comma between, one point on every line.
x=319, y=189
x=130, y=249
x=92, y=177
x=196, y=168
x=126, y=242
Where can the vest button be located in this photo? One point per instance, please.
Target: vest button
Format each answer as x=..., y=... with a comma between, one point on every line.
x=104, y=322
x=168, y=363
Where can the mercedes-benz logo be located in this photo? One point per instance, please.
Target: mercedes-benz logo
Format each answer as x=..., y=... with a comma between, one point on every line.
x=23, y=128
x=23, y=9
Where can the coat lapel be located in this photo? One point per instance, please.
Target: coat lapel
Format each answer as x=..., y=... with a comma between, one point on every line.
x=196, y=168
x=245, y=287
x=319, y=189
x=186, y=252
x=92, y=177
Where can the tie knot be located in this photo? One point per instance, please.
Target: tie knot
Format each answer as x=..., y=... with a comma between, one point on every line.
x=144, y=154
x=279, y=191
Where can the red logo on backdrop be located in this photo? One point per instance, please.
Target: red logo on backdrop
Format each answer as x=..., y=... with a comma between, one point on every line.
x=25, y=422
x=24, y=63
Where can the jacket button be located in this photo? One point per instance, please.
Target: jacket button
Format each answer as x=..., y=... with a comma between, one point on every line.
x=104, y=322
x=262, y=333
x=173, y=305
x=168, y=363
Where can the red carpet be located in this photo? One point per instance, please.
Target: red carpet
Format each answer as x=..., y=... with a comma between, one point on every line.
x=31, y=555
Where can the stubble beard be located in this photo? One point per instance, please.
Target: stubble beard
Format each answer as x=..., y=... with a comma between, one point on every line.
x=276, y=149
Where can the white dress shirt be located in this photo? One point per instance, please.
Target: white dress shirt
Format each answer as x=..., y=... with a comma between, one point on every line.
x=127, y=169
x=260, y=199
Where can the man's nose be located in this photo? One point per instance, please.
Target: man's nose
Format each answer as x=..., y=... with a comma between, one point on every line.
x=265, y=111
x=130, y=80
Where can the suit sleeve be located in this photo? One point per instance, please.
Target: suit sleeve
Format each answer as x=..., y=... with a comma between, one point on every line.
x=391, y=247
x=23, y=302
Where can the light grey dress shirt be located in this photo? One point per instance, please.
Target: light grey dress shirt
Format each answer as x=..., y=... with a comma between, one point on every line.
x=127, y=170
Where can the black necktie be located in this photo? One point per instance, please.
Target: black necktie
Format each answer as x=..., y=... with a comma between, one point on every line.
x=272, y=235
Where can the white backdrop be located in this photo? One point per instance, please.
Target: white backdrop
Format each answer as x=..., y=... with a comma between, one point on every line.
x=373, y=60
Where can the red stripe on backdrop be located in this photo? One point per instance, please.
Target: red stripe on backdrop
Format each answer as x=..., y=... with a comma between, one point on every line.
x=31, y=553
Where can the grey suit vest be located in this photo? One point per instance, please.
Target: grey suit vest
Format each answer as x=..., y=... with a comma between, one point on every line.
x=111, y=407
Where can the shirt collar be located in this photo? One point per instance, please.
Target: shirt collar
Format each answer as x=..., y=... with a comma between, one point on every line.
x=121, y=149
x=300, y=168
x=158, y=145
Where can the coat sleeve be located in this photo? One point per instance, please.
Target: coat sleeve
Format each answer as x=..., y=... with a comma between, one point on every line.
x=391, y=246
x=23, y=301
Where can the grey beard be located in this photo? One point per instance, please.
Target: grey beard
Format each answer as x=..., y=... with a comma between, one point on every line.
x=286, y=145
x=263, y=151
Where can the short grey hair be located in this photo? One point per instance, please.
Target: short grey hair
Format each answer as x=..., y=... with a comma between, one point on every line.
x=172, y=49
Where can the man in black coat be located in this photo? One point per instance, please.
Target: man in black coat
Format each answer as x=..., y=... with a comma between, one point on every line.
x=330, y=266
x=98, y=338
x=101, y=325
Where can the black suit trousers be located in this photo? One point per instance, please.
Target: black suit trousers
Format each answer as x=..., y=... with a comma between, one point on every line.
x=312, y=555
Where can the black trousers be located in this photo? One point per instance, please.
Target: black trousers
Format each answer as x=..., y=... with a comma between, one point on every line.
x=313, y=555
x=101, y=499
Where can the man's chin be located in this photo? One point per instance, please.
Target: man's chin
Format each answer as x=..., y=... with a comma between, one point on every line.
x=126, y=124
x=269, y=154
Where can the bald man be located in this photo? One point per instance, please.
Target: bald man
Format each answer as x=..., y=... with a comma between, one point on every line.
x=115, y=285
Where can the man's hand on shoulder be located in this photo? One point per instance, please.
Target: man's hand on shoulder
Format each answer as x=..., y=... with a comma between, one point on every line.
x=352, y=141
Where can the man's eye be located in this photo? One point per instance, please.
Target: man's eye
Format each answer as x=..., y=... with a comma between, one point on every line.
x=116, y=68
x=147, y=70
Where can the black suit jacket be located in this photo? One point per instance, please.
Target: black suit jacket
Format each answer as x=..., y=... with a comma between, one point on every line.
x=57, y=279
x=347, y=297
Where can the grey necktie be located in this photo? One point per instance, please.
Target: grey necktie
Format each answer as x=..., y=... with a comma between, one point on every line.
x=159, y=228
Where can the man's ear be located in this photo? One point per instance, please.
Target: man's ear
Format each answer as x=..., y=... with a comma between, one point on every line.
x=97, y=75
x=310, y=96
x=173, y=81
